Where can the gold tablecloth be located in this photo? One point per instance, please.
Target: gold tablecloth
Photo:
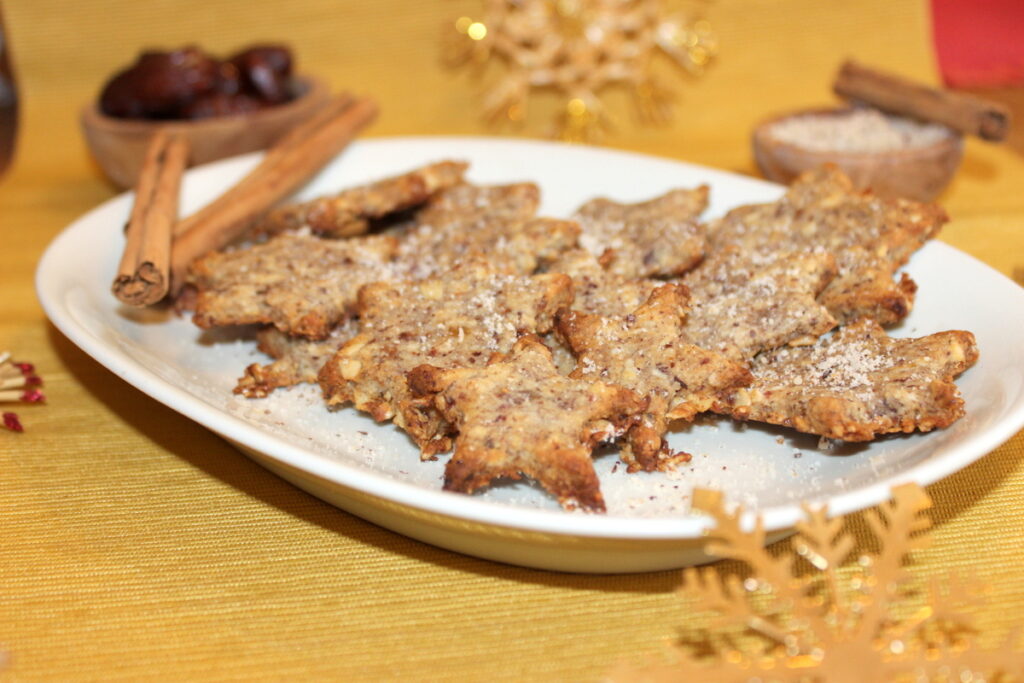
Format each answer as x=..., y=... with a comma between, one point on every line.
x=135, y=544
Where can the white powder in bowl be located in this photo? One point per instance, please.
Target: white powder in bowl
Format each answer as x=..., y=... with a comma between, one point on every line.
x=858, y=130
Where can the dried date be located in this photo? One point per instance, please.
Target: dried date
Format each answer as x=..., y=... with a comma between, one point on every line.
x=188, y=83
x=266, y=71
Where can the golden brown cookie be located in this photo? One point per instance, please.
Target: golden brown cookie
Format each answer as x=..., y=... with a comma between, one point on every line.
x=468, y=204
x=660, y=236
x=647, y=352
x=859, y=383
x=868, y=288
x=301, y=284
x=297, y=360
x=598, y=290
x=351, y=211
x=741, y=306
x=517, y=417
x=456, y=320
x=822, y=212
x=496, y=223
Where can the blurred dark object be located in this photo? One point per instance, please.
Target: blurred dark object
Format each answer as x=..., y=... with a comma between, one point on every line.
x=8, y=101
x=189, y=84
x=267, y=71
x=979, y=43
x=160, y=84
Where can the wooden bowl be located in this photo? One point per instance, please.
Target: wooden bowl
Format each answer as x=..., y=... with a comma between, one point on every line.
x=119, y=145
x=919, y=173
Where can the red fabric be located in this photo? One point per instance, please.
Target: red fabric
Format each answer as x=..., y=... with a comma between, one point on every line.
x=979, y=42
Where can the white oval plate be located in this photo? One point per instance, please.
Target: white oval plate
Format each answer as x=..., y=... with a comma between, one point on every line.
x=375, y=472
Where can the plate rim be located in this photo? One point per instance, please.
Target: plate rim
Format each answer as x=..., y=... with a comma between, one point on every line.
x=469, y=508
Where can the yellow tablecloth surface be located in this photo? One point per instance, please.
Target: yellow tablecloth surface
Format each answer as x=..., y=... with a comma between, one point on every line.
x=134, y=544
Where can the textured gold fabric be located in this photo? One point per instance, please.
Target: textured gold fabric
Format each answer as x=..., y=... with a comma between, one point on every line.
x=136, y=545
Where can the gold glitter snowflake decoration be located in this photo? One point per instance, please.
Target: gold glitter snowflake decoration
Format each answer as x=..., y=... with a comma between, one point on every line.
x=796, y=618
x=578, y=48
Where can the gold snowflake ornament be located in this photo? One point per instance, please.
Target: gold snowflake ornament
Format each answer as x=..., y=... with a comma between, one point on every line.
x=795, y=617
x=578, y=48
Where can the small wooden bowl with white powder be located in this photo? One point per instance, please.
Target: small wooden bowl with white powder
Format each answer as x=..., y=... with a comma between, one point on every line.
x=893, y=155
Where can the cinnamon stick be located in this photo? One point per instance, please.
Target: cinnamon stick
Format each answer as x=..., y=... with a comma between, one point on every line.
x=965, y=113
x=144, y=276
x=291, y=163
x=289, y=141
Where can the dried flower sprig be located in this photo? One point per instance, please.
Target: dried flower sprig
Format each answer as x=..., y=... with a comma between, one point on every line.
x=18, y=384
x=812, y=623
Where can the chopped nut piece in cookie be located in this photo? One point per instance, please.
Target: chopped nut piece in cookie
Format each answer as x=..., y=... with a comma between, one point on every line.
x=660, y=236
x=456, y=320
x=859, y=383
x=562, y=354
x=301, y=284
x=517, y=417
x=647, y=352
x=351, y=211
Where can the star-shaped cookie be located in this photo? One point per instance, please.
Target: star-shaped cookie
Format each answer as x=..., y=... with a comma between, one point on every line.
x=299, y=283
x=455, y=320
x=495, y=222
x=660, y=236
x=518, y=417
x=859, y=383
x=823, y=212
x=741, y=306
x=647, y=351
x=352, y=211
x=598, y=290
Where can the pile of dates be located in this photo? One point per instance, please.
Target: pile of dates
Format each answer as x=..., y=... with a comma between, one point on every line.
x=190, y=84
